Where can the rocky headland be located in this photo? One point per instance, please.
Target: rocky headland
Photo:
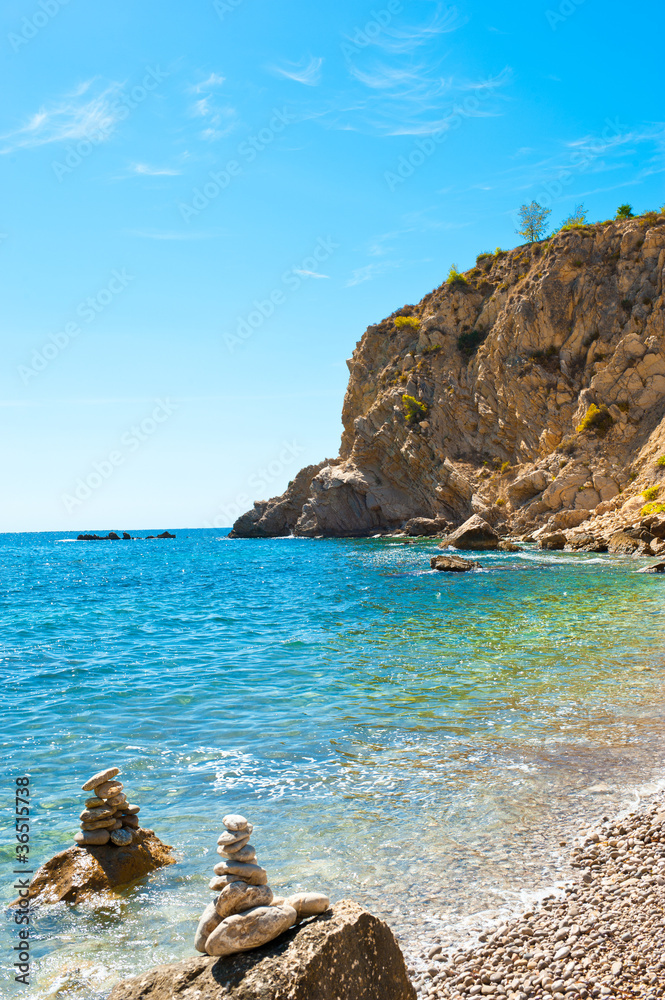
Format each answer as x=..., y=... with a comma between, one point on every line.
x=529, y=390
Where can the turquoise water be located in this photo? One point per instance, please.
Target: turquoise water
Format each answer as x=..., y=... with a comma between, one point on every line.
x=421, y=742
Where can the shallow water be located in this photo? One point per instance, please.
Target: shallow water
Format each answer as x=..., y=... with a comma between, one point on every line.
x=418, y=741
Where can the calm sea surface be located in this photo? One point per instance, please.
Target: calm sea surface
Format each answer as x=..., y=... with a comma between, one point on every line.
x=420, y=742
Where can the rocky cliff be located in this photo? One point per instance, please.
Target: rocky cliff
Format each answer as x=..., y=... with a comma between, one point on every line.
x=530, y=389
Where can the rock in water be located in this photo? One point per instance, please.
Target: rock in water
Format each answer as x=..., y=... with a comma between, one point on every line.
x=344, y=954
x=252, y=874
x=475, y=533
x=92, y=837
x=246, y=931
x=238, y=897
x=120, y=837
x=655, y=568
x=81, y=872
x=210, y=919
x=453, y=564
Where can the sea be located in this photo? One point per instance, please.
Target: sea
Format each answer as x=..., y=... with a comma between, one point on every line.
x=424, y=743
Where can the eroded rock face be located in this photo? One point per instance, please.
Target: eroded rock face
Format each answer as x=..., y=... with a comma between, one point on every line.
x=344, y=954
x=563, y=327
x=81, y=872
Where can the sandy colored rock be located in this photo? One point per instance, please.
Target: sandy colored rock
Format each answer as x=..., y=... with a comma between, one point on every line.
x=475, y=533
x=130, y=821
x=94, y=803
x=80, y=873
x=232, y=837
x=246, y=853
x=239, y=896
x=252, y=874
x=345, y=954
x=505, y=425
x=100, y=778
x=308, y=904
x=100, y=824
x=234, y=822
x=94, y=815
x=246, y=931
x=220, y=881
x=92, y=837
x=108, y=789
x=210, y=919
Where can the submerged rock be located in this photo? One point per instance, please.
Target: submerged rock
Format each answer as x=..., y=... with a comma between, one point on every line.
x=81, y=872
x=344, y=954
x=453, y=564
x=556, y=541
x=656, y=568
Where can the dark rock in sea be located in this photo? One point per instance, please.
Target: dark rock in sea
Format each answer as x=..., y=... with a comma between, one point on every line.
x=126, y=536
x=586, y=542
x=453, y=564
x=507, y=546
x=344, y=954
x=81, y=872
x=556, y=541
x=166, y=534
x=113, y=537
x=475, y=533
x=655, y=568
x=417, y=526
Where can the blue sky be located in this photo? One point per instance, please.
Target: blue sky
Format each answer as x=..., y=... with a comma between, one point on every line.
x=205, y=205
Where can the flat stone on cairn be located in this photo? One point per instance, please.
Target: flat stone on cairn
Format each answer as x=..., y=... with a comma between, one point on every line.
x=108, y=816
x=245, y=914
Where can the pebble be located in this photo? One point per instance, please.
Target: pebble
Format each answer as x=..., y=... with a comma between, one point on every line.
x=92, y=837
x=238, y=897
x=94, y=803
x=108, y=789
x=130, y=821
x=232, y=837
x=131, y=810
x=605, y=938
x=252, y=874
x=122, y=837
x=233, y=821
x=93, y=815
x=308, y=904
x=246, y=854
x=244, y=931
x=117, y=800
x=220, y=881
x=100, y=778
x=101, y=824
x=209, y=920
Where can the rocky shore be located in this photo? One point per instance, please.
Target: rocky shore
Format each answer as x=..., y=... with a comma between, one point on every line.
x=603, y=937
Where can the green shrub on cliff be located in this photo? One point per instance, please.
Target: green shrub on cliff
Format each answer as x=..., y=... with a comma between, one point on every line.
x=414, y=410
x=468, y=343
x=651, y=492
x=652, y=508
x=661, y=461
x=625, y=212
x=596, y=418
x=455, y=277
x=407, y=323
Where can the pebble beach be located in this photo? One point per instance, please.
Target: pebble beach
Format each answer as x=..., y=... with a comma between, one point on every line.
x=604, y=936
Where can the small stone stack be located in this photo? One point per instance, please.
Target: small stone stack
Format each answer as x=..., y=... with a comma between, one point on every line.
x=245, y=914
x=107, y=816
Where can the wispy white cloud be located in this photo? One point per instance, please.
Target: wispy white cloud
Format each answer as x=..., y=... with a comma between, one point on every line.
x=370, y=271
x=69, y=119
x=404, y=38
x=148, y=171
x=308, y=71
x=310, y=274
x=214, y=80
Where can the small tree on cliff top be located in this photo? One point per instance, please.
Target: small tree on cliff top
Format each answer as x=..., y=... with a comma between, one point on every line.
x=625, y=212
x=533, y=221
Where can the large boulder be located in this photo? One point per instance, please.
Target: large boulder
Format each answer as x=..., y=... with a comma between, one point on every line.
x=628, y=543
x=528, y=486
x=475, y=533
x=344, y=954
x=418, y=526
x=81, y=872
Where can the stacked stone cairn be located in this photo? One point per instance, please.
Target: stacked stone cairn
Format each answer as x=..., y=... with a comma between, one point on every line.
x=245, y=914
x=107, y=816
